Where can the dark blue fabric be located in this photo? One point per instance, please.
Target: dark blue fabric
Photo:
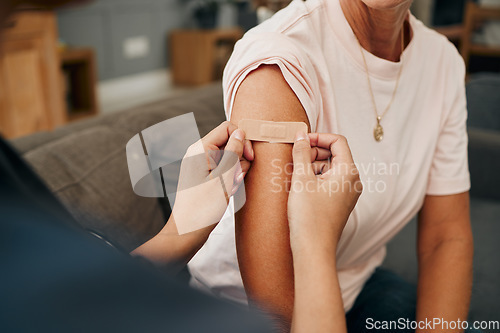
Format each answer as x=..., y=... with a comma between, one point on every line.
x=57, y=278
x=385, y=297
x=448, y=12
x=483, y=101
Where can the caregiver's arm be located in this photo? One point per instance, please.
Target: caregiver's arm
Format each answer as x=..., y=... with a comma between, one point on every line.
x=192, y=212
x=318, y=210
x=262, y=235
x=445, y=250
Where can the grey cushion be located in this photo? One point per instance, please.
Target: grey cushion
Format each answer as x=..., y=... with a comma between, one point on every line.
x=484, y=163
x=483, y=101
x=85, y=165
x=88, y=172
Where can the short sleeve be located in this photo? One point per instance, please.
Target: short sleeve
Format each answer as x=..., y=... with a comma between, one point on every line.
x=273, y=48
x=449, y=172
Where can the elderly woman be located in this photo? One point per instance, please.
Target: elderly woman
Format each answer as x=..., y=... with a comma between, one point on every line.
x=370, y=71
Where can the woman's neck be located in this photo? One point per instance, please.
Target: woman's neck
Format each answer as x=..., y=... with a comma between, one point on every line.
x=378, y=30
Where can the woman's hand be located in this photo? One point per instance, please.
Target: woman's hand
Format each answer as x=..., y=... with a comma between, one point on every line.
x=211, y=171
x=324, y=190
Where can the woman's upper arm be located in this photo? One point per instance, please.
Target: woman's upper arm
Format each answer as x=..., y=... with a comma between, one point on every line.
x=262, y=235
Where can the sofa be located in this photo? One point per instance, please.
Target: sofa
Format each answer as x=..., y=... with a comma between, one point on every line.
x=84, y=164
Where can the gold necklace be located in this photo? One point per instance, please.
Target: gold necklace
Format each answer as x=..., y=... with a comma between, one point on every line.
x=378, y=131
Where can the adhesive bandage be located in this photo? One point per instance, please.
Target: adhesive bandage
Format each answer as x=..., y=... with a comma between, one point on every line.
x=271, y=131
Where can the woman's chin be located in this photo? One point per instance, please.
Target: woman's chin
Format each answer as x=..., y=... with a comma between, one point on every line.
x=386, y=4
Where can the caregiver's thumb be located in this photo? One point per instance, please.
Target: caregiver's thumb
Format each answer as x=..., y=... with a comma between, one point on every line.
x=302, y=155
x=236, y=142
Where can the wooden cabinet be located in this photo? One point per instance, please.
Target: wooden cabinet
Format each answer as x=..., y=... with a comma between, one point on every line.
x=474, y=15
x=30, y=87
x=195, y=54
x=79, y=83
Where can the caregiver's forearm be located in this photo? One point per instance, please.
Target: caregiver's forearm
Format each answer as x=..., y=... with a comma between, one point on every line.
x=168, y=248
x=445, y=280
x=318, y=299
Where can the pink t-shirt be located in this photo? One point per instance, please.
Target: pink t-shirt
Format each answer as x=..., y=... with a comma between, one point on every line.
x=424, y=150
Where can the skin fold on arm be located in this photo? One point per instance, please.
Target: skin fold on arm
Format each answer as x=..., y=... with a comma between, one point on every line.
x=262, y=233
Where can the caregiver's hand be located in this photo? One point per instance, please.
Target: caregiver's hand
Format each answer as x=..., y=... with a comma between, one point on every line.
x=211, y=171
x=324, y=190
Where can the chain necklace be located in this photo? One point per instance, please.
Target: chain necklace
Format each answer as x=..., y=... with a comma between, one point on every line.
x=378, y=131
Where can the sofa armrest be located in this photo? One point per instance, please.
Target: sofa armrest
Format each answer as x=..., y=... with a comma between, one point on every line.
x=484, y=163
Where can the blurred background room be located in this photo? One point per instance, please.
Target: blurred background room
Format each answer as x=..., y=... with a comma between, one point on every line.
x=112, y=55
x=77, y=83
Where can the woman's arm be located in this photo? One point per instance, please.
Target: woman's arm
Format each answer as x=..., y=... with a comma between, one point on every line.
x=262, y=235
x=445, y=251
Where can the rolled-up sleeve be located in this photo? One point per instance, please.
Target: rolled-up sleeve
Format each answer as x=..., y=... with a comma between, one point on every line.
x=272, y=48
x=449, y=172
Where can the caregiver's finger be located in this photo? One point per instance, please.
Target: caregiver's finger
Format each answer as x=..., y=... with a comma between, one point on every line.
x=232, y=153
x=248, y=152
x=219, y=136
x=301, y=154
x=320, y=167
x=236, y=143
x=336, y=143
x=245, y=166
x=320, y=154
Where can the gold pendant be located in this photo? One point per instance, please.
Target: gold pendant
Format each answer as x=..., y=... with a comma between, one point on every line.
x=378, y=132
